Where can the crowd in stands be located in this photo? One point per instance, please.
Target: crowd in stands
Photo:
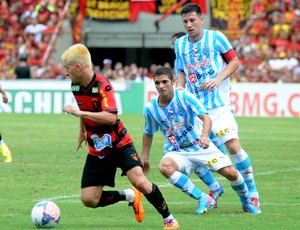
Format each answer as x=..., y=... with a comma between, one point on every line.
x=26, y=27
x=269, y=48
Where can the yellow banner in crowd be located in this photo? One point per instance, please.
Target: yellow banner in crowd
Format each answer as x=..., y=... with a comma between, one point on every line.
x=230, y=16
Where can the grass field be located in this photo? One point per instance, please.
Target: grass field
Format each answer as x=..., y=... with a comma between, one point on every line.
x=47, y=166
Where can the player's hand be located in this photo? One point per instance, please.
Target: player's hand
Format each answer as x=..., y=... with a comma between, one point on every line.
x=146, y=167
x=71, y=109
x=204, y=142
x=5, y=98
x=81, y=138
x=211, y=84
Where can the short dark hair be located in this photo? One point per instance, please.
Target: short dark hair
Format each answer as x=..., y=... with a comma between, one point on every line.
x=178, y=35
x=191, y=7
x=163, y=70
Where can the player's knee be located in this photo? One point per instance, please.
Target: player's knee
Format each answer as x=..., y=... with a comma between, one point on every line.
x=143, y=185
x=88, y=202
x=233, y=146
x=230, y=173
x=167, y=168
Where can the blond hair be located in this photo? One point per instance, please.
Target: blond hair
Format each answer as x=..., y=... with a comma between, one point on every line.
x=77, y=53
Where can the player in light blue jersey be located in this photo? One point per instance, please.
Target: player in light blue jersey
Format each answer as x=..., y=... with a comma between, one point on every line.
x=215, y=188
x=186, y=126
x=204, y=61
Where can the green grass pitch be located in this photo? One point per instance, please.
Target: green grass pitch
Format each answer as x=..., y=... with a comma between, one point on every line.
x=46, y=165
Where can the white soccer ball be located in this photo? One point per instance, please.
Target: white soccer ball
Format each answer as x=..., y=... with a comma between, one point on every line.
x=45, y=214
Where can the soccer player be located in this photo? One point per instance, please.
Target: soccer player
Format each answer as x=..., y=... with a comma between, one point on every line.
x=7, y=154
x=110, y=145
x=215, y=188
x=186, y=126
x=205, y=59
x=174, y=37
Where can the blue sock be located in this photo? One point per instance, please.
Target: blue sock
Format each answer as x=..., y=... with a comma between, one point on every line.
x=240, y=187
x=244, y=166
x=184, y=183
x=207, y=177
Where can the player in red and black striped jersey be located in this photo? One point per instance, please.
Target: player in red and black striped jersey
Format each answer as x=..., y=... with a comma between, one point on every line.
x=98, y=96
x=110, y=145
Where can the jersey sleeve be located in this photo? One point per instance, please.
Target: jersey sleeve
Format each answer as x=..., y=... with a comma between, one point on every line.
x=193, y=102
x=107, y=95
x=178, y=64
x=223, y=42
x=150, y=126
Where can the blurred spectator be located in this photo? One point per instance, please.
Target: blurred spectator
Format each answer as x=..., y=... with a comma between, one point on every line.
x=134, y=74
x=118, y=71
x=107, y=66
x=22, y=70
x=36, y=29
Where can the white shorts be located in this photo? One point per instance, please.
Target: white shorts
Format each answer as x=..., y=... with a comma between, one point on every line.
x=211, y=158
x=224, y=126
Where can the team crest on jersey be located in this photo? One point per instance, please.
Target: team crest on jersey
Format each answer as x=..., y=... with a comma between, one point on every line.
x=205, y=51
x=180, y=111
x=101, y=143
x=108, y=88
x=95, y=102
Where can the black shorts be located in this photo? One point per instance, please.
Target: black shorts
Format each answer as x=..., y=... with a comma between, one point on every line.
x=102, y=171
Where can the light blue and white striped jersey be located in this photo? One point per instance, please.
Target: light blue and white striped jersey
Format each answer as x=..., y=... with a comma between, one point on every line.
x=178, y=121
x=202, y=60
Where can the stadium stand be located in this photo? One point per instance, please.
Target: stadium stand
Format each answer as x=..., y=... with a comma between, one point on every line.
x=269, y=48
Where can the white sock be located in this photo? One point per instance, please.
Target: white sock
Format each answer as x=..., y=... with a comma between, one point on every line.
x=130, y=194
x=169, y=217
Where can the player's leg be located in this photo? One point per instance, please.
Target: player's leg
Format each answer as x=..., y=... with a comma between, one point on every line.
x=153, y=195
x=244, y=166
x=239, y=186
x=175, y=168
x=7, y=154
x=132, y=167
x=97, y=173
x=226, y=129
x=215, y=188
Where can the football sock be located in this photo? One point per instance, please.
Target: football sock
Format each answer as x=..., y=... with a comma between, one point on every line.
x=3, y=148
x=129, y=193
x=244, y=166
x=183, y=182
x=158, y=201
x=111, y=197
x=240, y=187
x=207, y=177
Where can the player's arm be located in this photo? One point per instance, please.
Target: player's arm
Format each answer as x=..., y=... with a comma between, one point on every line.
x=81, y=135
x=204, y=138
x=147, y=143
x=181, y=81
x=233, y=63
x=4, y=96
x=102, y=117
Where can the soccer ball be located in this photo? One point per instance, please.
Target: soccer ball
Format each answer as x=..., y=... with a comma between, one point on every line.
x=45, y=214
